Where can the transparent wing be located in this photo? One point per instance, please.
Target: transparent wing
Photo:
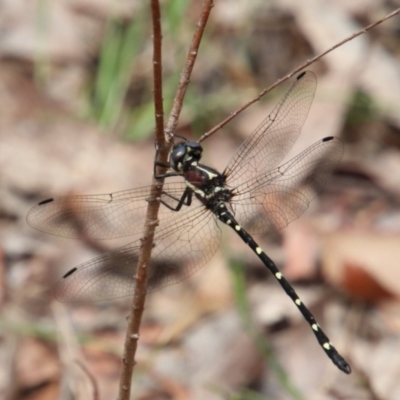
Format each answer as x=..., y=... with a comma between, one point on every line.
x=283, y=194
x=272, y=140
x=102, y=216
x=181, y=247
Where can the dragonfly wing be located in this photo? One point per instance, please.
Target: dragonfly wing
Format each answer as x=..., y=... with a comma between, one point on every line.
x=181, y=247
x=102, y=216
x=266, y=147
x=283, y=194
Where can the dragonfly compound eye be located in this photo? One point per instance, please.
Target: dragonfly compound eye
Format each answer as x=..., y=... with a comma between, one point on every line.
x=178, y=154
x=185, y=153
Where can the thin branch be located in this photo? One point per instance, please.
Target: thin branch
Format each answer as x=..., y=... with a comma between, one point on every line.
x=135, y=317
x=163, y=144
x=295, y=71
x=187, y=71
x=157, y=73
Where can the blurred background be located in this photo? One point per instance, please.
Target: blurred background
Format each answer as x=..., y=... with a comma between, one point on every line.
x=76, y=117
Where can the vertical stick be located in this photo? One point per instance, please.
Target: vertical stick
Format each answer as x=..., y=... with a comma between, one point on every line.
x=164, y=143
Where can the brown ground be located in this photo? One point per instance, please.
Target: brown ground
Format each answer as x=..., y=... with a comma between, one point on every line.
x=344, y=253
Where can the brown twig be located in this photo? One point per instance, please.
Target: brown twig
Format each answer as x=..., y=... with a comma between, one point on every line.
x=163, y=144
x=185, y=75
x=135, y=317
x=295, y=71
x=157, y=73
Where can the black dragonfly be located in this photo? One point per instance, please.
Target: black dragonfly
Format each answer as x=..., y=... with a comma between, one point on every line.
x=256, y=193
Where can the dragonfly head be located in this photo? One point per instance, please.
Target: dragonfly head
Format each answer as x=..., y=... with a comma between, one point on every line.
x=184, y=155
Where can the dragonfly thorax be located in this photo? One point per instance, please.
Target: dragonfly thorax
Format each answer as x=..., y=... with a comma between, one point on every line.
x=205, y=182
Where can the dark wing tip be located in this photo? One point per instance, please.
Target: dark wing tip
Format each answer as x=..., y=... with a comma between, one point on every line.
x=45, y=201
x=301, y=75
x=70, y=272
x=327, y=139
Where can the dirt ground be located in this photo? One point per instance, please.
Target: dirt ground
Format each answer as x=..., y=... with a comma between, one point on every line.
x=76, y=117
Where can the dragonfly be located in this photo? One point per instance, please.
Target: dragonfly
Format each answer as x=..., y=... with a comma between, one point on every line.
x=257, y=192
